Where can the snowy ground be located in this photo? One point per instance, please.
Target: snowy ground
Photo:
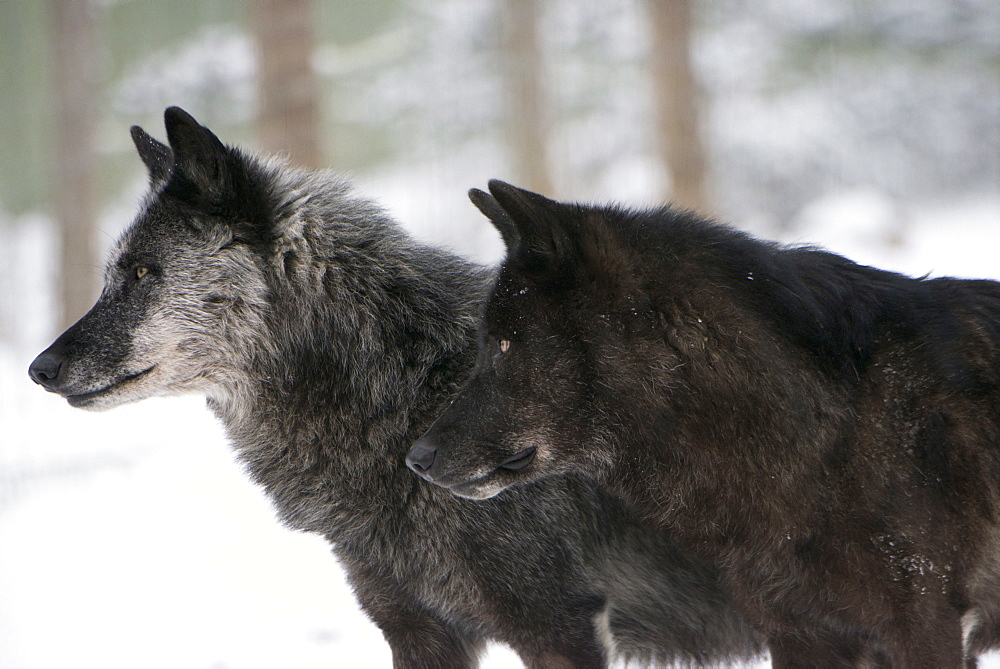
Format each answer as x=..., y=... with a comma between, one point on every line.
x=130, y=538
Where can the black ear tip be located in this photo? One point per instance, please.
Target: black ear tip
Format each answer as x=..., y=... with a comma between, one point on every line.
x=498, y=186
x=143, y=142
x=510, y=196
x=488, y=206
x=477, y=196
x=174, y=116
x=187, y=137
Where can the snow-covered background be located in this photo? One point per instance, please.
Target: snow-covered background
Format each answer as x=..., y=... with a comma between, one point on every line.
x=131, y=538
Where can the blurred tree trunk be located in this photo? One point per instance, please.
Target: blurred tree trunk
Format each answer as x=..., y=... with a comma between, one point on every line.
x=522, y=71
x=75, y=64
x=676, y=95
x=288, y=90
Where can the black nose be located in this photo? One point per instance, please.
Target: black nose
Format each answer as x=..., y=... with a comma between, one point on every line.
x=44, y=370
x=421, y=457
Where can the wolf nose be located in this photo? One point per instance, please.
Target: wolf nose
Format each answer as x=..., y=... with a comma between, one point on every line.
x=44, y=370
x=421, y=457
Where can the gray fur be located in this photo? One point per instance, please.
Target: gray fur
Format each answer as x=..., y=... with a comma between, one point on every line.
x=326, y=341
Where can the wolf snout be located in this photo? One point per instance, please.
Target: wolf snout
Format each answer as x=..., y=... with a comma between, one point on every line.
x=45, y=370
x=420, y=458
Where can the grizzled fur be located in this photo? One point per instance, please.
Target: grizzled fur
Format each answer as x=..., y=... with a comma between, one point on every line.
x=326, y=341
x=827, y=433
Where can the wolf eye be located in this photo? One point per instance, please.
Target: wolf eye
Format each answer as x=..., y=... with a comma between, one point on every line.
x=503, y=345
x=141, y=271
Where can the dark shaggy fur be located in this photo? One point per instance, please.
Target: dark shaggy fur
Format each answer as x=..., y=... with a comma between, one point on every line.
x=326, y=340
x=827, y=433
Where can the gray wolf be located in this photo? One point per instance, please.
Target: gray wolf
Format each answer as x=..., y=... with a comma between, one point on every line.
x=326, y=340
x=825, y=432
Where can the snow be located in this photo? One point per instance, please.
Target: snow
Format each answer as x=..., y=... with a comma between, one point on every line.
x=154, y=551
x=131, y=538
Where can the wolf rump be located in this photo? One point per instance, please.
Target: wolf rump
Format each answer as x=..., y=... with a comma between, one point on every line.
x=828, y=433
x=326, y=340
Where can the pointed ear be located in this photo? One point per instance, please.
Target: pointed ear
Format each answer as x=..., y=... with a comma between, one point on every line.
x=215, y=179
x=157, y=156
x=200, y=159
x=539, y=223
x=500, y=219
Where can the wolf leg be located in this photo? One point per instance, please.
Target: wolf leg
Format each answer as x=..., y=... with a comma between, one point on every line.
x=418, y=638
x=420, y=641
x=934, y=642
x=798, y=652
x=571, y=642
x=555, y=661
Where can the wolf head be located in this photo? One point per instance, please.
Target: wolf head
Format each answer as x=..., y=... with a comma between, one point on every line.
x=186, y=273
x=530, y=408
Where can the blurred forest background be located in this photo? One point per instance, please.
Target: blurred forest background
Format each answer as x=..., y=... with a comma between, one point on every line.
x=752, y=110
x=131, y=538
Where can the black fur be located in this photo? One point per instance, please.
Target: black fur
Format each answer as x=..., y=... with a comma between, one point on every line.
x=326, y=340
x=827, y=433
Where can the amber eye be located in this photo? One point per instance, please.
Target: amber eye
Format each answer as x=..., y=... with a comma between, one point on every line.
x=504, y=345
x=140, y=272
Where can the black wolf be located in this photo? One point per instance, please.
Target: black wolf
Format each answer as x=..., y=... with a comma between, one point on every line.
x=827, y=433
x=326, y=341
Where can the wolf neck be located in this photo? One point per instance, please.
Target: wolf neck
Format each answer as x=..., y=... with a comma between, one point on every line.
x=365, y=342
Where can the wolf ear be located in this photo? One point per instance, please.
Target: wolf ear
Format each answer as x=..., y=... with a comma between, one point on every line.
x=200, y=158
x=157, y=156
x=214, y=179
x=535, y=223
x=500, y=219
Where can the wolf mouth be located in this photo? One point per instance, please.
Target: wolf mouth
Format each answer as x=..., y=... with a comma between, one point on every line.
x=477, y=489
x=518, y=462
x=492, y=483
x=481, y=487
x=85, y=398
